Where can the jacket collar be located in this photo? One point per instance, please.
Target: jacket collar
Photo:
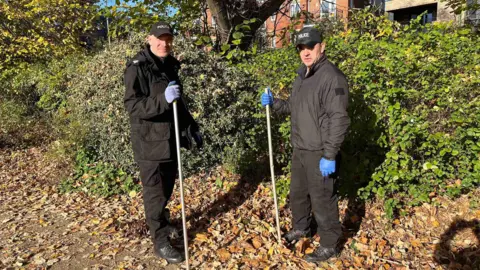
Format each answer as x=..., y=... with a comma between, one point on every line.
x=303, y=68
x=158, y=63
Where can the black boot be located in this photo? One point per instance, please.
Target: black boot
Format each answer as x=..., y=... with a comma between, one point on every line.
x=173, y=232
x=169, y=253
x=294, y=236
x=321, y=254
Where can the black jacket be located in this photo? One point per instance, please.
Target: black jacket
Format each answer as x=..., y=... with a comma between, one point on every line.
x=151, y=116
x=318, y=106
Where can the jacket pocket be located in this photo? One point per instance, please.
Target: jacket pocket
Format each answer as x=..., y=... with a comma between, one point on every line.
x=155, y=141
x=153, y=132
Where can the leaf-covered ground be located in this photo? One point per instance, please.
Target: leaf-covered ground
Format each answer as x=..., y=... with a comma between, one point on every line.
x=231, y=226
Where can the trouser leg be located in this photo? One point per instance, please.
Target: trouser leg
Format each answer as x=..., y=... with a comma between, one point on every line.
x=324, y=200
x=299, y=199
x=158, y=180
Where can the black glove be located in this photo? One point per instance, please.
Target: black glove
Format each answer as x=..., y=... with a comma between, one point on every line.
x=197, y=136
x=191, y=134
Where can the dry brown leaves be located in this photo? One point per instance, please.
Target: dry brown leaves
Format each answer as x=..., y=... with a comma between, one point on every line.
x=231, y=227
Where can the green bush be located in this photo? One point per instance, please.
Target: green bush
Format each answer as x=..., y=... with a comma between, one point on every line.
x=414, y=107
x=422, y=82
x=55, y=79
x=95, y=177
x=29, y=94
x=221, y=98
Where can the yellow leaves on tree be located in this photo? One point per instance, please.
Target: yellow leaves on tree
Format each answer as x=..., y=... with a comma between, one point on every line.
x=38, y=29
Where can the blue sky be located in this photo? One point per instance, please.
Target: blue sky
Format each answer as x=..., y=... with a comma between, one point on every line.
x=102, y=3
x=109, y=2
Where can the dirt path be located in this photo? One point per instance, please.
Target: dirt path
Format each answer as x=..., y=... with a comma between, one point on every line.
x=231, y=227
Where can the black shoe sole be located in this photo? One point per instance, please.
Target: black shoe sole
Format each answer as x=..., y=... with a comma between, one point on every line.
x=172, y=261
x=311, y=260
x=294, y=241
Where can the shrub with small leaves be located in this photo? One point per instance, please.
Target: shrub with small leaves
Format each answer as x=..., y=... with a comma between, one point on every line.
x=414, y=104
x=95, y=177
x=220, y=97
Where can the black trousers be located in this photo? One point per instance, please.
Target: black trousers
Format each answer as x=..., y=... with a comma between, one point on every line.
x=309, y=190
x=158, y=180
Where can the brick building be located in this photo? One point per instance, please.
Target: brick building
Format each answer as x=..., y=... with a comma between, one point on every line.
x=274, y=30
x=405, y=10
x=275, y=27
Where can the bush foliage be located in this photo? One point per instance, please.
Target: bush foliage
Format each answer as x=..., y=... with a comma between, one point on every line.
x=220, y=97
x=414, y=105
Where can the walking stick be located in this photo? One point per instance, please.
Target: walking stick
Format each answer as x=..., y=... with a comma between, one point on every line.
x=180, y=176
x=272, y=171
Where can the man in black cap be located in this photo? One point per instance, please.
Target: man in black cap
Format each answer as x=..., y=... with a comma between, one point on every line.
x=151, y=85
x=319, y=119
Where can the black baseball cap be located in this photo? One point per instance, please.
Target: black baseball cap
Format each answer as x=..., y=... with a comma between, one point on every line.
x=161, y=28
x=309, y=36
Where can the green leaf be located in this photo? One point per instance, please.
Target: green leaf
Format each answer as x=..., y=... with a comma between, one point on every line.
x=225, y=47
x=237, y=35
x=219, y=182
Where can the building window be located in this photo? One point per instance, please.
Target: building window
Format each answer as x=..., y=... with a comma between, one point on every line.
x=273, y=17
x=328, y=9
x=214, y=23
x=426, y=18
x=274, y=42
x=473, y=16
x=294, y=9
x=391, y=16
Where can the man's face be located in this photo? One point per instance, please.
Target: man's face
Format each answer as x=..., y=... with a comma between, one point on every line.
x=160, y=46
x=310, y=55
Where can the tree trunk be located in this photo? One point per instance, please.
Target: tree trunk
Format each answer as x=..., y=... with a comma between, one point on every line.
x=229, y=14
x=218, y=9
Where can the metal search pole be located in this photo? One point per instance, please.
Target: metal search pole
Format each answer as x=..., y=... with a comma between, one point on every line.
x=108, y=29
x=180, y=176
x=270, y=150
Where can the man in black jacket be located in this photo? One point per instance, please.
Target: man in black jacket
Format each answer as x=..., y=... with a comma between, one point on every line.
x=151, y=85
x=319, y=118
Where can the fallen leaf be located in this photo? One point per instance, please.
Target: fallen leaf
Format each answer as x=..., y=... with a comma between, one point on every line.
x=95, y=221
x=257, y=242
x=201, y=237
x=415, y=243
x=364, y=240
x=224, y=255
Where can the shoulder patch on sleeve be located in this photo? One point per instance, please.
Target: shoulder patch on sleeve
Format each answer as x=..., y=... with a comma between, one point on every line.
x=339, y=91
x=136, y=61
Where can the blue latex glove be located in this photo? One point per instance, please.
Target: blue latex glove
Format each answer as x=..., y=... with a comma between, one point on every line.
x=172, y=92
x=197, y=136
x=267, y=99
x=327, y=167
